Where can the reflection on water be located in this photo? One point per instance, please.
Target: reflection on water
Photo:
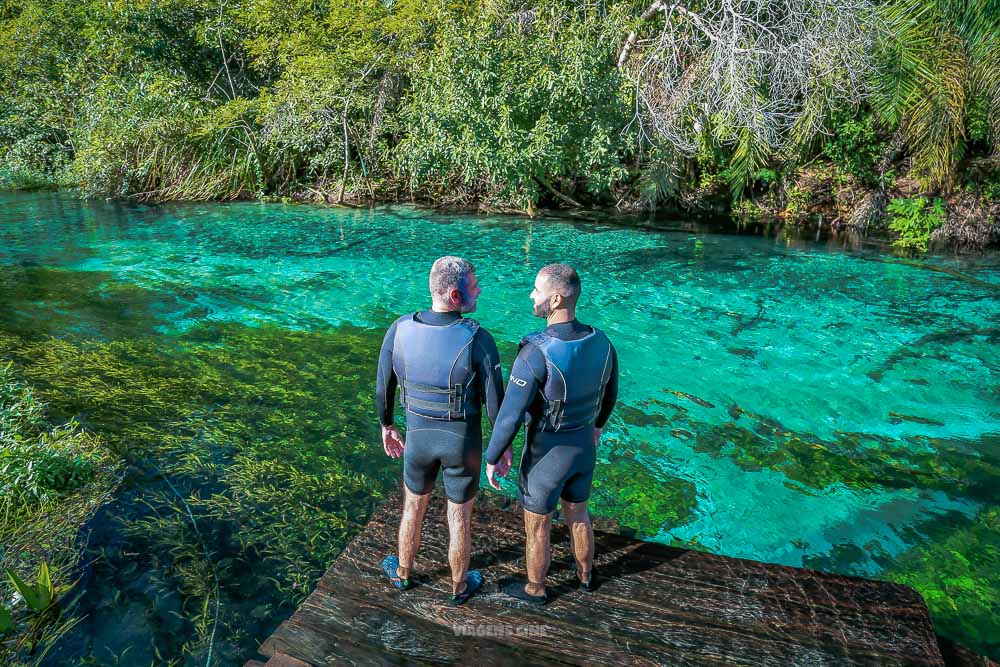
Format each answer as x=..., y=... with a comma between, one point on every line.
x=787, y=402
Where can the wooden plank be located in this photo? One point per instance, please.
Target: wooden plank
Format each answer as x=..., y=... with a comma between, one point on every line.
x=285, y=660
x=656, y=605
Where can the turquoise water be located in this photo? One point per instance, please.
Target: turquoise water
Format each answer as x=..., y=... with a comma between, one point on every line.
x=793, y=402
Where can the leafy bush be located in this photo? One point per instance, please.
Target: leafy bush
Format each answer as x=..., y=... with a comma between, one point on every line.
x=38, y=464
x=155, y=139
x=914, y=219
x=511, y=101
x=856, y=146
x=32, y=153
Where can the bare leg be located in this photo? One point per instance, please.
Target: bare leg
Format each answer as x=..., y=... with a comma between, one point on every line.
x=414, y=508
x=581, y=537
x=537, y=528
x=460, y=543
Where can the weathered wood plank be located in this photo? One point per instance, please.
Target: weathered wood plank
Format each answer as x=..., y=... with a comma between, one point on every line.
x=656, y=605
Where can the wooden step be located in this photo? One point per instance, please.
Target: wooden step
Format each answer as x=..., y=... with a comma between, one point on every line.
x=655, y=605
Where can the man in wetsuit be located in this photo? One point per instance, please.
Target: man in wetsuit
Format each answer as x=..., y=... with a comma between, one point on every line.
x=446, y=366
x=563, y=385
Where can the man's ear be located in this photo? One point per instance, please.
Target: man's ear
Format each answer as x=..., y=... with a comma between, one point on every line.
x=557, y=300
x=456, y=296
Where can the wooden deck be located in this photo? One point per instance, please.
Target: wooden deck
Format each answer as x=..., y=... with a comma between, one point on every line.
x=656, y=606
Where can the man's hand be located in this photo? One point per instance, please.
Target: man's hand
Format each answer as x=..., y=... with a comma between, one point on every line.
x=505, y=462
x=392, y=441
x=597, y=435
x=500, y=469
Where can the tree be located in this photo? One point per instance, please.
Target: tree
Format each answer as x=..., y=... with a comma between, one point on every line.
x=513, y=101
x=758, y=76
x=938, y=59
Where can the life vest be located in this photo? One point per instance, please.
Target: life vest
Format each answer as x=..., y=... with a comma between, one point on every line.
x=577, y=373
x=434, y=366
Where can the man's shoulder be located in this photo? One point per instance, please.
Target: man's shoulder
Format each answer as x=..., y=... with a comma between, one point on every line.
x=483, y=334
x=530, y=348
x=534, y=339
x=406, y=317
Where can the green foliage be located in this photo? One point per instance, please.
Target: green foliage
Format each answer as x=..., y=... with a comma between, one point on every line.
x=156, y=140
x=37, y=463
x=746, y=212
x=511, y=108
x=914, y=220
x=40, y=595
x=659, y=180
x=936, y=56
x=797, y=203
x=749, y=155
x=456, y=101
x=957, y=577
x=52, y=479
x=6, y=621
x=856, y=147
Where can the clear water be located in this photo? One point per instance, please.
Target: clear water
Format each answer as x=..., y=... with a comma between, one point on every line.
x=794, y=403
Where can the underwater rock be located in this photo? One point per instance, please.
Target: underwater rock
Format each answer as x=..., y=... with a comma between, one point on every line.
x=691, y=397
x=897, y=418
x=635, y=417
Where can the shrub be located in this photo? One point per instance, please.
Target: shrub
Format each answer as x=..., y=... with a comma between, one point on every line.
x=914, y=220
x=38, y=464
x=856, y=147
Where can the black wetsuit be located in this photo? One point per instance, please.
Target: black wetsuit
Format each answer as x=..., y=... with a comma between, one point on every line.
x=433, y=444
x=554, y=464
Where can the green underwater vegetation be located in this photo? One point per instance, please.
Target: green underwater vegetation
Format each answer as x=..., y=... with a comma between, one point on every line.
x=956, y=573
x=627, y=490
x=52, y=480
x=248, y=456
x=956, y=561
x=240, y=440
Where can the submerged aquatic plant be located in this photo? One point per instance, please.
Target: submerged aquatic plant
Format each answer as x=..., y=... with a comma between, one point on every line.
x=40, y=595
x=957, y=576
x=6, y=621
x=52, y=479
x=246, y=445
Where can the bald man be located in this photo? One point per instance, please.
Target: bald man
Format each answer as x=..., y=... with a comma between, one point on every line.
x=447, y=368
x=565, y=379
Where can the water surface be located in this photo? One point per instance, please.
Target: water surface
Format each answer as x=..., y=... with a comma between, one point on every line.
x=793, y=403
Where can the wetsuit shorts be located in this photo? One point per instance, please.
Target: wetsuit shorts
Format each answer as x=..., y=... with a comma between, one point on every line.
x=433, y=445
x=557, y=465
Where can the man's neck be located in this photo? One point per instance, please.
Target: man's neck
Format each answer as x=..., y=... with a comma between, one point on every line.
x=560, y=317
x=438, y=308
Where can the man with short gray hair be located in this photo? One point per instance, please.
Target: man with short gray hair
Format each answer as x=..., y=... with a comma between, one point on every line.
x=565, y=379
x=446, y=367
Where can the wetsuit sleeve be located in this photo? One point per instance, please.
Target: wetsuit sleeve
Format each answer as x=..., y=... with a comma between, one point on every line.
x=610, y=392
x=526, y=376
x=490, y=373
x=385, y=382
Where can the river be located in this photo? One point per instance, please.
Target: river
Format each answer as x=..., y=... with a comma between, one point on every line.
x=791, y=402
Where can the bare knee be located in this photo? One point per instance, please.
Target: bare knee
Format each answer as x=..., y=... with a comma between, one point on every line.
x=415, y=501
x=575, y=512
x=537, y=524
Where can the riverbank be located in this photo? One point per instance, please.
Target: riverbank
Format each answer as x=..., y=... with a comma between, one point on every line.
x=971, y=223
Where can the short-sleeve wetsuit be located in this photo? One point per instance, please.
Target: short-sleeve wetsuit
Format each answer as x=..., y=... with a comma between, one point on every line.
x=555, y=463
x=454, y=444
